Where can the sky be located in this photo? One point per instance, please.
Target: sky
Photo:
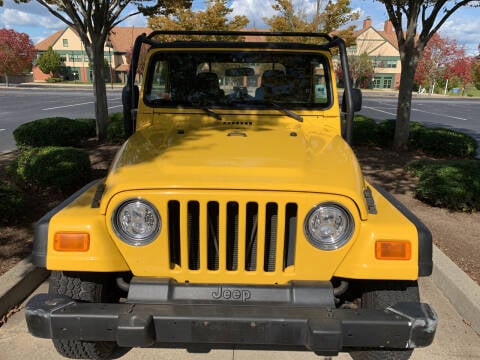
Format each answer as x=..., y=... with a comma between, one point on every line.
x=38, y=23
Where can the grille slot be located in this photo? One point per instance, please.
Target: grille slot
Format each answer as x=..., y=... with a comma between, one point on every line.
x=231, y=236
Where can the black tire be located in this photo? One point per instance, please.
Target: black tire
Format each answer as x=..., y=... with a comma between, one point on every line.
x=89, y=288
x=380, y=295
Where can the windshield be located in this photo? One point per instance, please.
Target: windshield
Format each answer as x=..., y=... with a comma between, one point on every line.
x=238, y=78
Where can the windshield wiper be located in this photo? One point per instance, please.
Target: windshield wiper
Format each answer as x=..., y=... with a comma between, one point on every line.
x=287, y=112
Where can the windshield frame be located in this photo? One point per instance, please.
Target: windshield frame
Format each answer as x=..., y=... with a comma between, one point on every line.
x=199, y=54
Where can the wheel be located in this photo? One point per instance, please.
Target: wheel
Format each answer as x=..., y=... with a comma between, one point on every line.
x=86, y=287
x=380, y=295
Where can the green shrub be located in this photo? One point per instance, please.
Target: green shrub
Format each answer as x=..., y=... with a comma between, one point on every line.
x=438, y=142
x=91, y=124
x=385, y=132
x=116, y=130
x=11, y=204
x=56, y=131
x=364, y=131
x=441, y=142
x=60, y=168
x=53, y=80
x=452, y=184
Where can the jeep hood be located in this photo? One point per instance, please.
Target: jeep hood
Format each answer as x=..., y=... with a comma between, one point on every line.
x=278, y=156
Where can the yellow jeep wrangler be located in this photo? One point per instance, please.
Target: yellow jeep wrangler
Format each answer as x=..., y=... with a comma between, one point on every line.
x=235, y=215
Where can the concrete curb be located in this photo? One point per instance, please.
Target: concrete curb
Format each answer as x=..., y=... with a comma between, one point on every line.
x=458, y=288
x=18, y=283
x=464, y=294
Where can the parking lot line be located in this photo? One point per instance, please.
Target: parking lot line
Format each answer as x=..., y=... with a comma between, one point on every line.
x=375, y=109
x=448, y=116
x=66, y=106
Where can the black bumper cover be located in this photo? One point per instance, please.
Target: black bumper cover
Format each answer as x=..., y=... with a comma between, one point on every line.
x=231, y=325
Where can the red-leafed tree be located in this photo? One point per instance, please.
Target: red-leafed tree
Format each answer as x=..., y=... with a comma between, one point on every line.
x=436, y=59
x=16, y=53
x=463, y=69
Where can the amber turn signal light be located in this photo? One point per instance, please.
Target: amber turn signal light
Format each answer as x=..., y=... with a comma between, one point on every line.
x=393, y=250
x=71, y=242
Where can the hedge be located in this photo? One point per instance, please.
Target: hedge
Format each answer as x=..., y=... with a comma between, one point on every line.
x=441, y=142
x=60, y=168
x=452, y=184
x=57, y=131
x=437, y=142
x=116, y=129
x=11, y=203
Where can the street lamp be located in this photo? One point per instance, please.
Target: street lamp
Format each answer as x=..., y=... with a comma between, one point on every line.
x=74, y=70
x=109, y=45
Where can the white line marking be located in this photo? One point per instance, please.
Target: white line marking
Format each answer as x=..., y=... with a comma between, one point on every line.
x=66, y=106
x=3, y=129
x=111, y=107
x=448, y=116
x=374, y=109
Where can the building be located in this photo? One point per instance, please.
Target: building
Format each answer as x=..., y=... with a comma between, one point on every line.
x=68, y=45
x=382, y=48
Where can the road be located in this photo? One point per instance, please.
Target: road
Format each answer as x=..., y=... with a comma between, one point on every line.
x=456, y=113
x=454, y=340
x=21, y=105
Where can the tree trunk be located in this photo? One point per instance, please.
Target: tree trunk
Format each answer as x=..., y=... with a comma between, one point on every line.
x=409, y=60
x=100, y=92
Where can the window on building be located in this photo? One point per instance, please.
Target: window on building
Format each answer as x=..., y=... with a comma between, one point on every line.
x=377, y=82
x=387, y=83
x=386, y=64
x=65, y=42
x=76, y=57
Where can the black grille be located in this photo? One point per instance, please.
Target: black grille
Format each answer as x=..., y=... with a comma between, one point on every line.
x=232, y=235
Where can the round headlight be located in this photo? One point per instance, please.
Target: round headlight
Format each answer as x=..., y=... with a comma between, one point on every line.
x=328, y=226
x=136, y=222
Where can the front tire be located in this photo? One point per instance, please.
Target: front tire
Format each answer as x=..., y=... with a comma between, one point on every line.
x=86, y=287
x=379, y=295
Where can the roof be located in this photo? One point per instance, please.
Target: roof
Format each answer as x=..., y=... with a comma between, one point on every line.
x=255, y=38
x=391, y=37
x=388, y=33
x=122, y=38
x=49, y=41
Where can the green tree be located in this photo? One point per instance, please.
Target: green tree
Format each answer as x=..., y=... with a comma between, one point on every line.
x=49, y=61
x=328, y=17
x=93, y=20
x=214, y=17
x=476, y=70
x=361, y=69
x=415, y=22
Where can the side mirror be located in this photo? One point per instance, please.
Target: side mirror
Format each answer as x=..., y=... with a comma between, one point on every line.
x=130, y=97
x=356, y=100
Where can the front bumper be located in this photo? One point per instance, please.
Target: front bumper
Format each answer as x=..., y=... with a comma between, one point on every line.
x=232, y=325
